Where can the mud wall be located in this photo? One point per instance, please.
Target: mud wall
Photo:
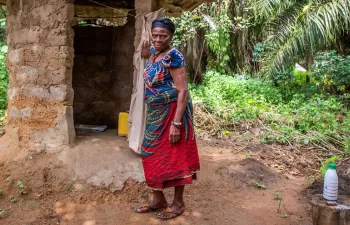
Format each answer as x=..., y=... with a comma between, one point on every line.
x=142, y=7
x=40, y=63
x=102, y=74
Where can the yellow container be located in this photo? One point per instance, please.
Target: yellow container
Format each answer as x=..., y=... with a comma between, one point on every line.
x=123, y=124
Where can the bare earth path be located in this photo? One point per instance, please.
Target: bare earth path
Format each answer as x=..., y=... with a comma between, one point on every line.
x=227, y=192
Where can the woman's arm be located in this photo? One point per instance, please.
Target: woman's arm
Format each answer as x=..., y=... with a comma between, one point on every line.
x=179, y=76
x=145, y=51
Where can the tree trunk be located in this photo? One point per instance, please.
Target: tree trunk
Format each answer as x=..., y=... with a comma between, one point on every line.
x=309, y=60
x=323, y=214
x=239, y=49
x=195, y=52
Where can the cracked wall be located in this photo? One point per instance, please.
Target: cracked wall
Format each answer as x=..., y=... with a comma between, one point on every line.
x=40, y=63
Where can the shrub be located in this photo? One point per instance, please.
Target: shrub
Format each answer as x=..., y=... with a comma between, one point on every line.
x=245, y=98
x=3, y=82
x=300, y=118
x=332, y=72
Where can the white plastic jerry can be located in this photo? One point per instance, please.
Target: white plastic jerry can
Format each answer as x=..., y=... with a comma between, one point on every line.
x=330, y=188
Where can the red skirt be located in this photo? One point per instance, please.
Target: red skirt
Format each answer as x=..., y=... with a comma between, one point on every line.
x=166, y=164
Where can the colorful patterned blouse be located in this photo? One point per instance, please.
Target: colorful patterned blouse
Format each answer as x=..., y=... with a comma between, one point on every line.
x=157, y=77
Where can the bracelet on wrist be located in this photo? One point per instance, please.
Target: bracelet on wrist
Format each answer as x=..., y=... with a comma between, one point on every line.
x=176, y=124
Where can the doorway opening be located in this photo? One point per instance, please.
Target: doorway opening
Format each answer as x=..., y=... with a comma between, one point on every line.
x=103, y=65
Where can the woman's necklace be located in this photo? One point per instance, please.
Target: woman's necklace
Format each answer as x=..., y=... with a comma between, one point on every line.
x=155, y=56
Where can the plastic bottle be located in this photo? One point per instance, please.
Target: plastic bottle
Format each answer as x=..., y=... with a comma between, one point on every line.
x=330, y=188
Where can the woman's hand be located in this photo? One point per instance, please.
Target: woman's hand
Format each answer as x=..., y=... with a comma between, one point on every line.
x=174, y=135
x=145, y=51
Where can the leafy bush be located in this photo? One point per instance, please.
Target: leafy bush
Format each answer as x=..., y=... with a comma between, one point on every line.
x=240, y=98
x=332, y=72
x=3, y=82
x=214, y=19
x=301, y=118
x=3, y=70
x=258, y=52
x=292, y=81
x=187, y=25
x=300, y=77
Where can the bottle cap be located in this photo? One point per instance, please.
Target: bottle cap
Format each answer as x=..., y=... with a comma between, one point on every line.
x=332, y=166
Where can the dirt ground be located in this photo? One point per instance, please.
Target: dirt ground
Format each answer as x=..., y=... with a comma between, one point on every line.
x=235, y=186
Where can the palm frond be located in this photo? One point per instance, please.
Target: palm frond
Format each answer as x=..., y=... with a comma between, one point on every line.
x=317, y=25
x=280, y=26
x=268, y=9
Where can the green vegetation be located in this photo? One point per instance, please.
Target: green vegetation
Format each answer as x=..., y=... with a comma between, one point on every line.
x=292, y=30
x=332, y=72
x=324, y=166
x=3, y=70
x=3, y=82
x=251, y=51
x=21, y=187
x=320, y=118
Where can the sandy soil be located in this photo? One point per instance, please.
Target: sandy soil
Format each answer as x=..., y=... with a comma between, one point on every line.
x=233, y=188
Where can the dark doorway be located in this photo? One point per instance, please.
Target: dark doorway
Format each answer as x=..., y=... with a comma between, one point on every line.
x=102, y=73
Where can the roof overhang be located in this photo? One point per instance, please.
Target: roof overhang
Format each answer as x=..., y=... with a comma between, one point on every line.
x=88, y=9
x=117, y=16
x=173, y=7
x=116, y=11
x=103, y=12
x=124, y=4
x=176, y=7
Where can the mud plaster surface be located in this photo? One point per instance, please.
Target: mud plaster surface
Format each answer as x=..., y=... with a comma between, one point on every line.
x=40, y=61
x=103, y=159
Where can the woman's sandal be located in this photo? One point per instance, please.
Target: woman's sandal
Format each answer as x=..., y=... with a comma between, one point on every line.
x=147, y=208
x=169, y=214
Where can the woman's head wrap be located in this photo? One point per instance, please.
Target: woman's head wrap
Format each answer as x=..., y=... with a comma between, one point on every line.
x=164, y=23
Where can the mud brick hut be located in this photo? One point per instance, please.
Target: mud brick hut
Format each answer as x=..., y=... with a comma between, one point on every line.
x=62, y=73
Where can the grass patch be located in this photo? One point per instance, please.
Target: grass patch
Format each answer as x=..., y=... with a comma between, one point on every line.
x=223, y=102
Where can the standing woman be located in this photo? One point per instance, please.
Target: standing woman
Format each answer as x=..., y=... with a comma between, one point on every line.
x=169, y=150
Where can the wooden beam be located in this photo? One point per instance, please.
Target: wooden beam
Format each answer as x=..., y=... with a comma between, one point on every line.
x=82, y=11
x=101, y=15
x=189, y=5
x=127, y=4
x=103, y=22
x=176, y=7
